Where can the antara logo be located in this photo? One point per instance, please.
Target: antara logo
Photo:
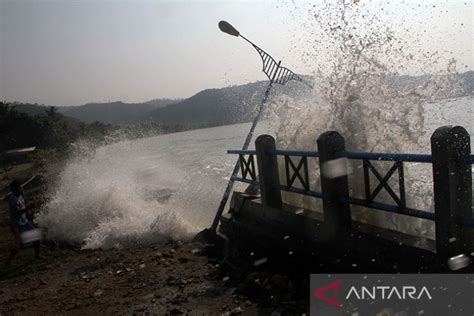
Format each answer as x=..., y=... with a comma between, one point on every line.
x=334, y=287
x=388, y=292
x=375, y=292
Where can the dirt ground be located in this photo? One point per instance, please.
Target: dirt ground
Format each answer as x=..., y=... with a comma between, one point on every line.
x=164, y=279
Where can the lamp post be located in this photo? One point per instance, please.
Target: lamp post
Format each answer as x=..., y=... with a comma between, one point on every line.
x=276, y=74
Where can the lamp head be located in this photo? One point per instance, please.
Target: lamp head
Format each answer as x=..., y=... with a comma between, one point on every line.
x=227, y=28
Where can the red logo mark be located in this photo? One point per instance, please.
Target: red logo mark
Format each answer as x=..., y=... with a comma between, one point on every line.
x=333, y=286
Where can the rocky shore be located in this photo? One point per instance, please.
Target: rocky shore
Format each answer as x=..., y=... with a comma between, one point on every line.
x=165, y=278
x=174, y=278
x=171, y=278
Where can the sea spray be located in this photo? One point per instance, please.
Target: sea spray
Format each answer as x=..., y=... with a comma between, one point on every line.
x=358, y=59
x=103, y=201
x=145, y=190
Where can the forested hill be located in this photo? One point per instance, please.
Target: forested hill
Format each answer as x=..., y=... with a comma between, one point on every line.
x=222, y=106
x=117, y=113
x=44, y=128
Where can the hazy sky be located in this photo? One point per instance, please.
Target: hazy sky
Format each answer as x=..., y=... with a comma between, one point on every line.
x=73, y=52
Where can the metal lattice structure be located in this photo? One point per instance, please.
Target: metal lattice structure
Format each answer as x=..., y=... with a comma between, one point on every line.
x=276, y=74
x=274, y=71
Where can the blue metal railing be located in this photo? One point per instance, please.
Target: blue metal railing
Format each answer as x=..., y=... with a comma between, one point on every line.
x=467, y=159
x=242, y=152
x=392, y=208
x=354, y=155
x=384, y=156
x=239, y=179
x=398, y=158
x=295, y=153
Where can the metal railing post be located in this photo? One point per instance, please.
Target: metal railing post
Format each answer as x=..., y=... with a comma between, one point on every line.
x=268, y=174
x=337, y=213
x=452, y=181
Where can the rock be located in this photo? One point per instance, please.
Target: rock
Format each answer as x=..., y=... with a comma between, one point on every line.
x=98, y=293
x=236, y=311
x=70, y=307
x=183, y=259
x=223, y=308
x=175, y=311
x=139, y=308
x=149, y=296
x=170, y=280
x=142, y=266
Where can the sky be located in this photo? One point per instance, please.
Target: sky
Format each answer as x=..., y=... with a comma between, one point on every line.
x=74, y=52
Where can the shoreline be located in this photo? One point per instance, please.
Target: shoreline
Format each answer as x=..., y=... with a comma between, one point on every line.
x=172, y=278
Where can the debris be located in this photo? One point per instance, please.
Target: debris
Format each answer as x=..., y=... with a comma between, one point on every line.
x=98, y=293
x=149, y=296
x=140, y=307
x=260, y=261
x=183, y=259
x=71, y=306
x=176, y=311
x=458, y=262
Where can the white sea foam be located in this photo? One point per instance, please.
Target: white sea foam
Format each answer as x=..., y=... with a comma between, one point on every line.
x=142, y=190
x=103, y=199
x=356, y=55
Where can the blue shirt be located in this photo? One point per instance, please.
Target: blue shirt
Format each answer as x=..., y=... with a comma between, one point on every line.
x=17, y=205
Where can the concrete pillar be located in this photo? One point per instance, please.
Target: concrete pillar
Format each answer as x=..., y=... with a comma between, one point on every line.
x=268, y=174
x=337, y=214
x=452, y=181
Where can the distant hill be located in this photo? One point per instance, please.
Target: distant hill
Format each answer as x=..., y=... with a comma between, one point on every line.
x=213, y=107
x=468, y=79
x=39, y=109
x=411, y=82
x=210, y=107
x=30, y=109
x=117, y=113
x=159, y=103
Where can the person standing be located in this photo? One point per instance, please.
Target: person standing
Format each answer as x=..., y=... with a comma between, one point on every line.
x=21, y=220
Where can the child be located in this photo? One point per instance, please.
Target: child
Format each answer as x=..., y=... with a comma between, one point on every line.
x=20, y=219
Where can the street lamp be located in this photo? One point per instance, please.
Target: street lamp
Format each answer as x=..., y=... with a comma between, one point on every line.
x=276, y=74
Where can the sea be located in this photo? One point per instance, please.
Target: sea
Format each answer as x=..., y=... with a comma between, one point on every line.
x=169, y=186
